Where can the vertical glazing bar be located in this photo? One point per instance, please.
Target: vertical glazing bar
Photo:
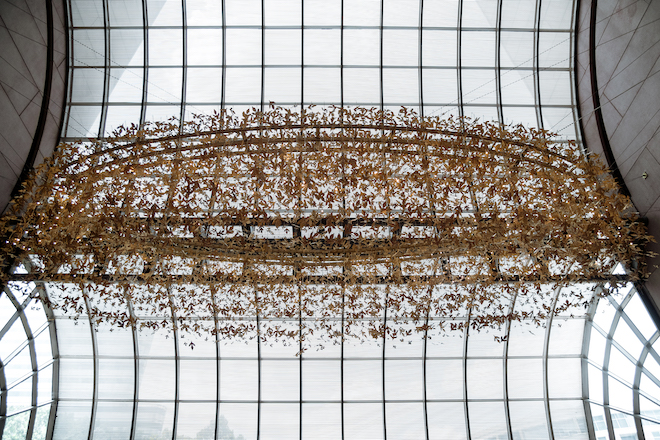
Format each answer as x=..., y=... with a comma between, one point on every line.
x=263, y=54
x=69, y=71
x=586, y=340
x=537, y=79
x=387, y=289
x=56, y=359
x=382, y=17
x=3, y=396
x=498, y=69
x=424, y=356
x=505, y=379
x=635, y=390
x=571, y=69
x=177, y=365
x=224, y=56
x=136, y=368
x=184, y=65
x=341, y=63
x=145, y=62
x=465, y=382
x=256, y=301
x=606, y=367
x=218, y=352
x=341, y=366
x=106, y=70
x=34, y=365
x=95, y=382
x=546, y=347
x=420, y=65
x=302, y=62
x=459, y=73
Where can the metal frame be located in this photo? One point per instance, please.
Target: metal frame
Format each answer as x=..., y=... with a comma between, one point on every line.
x=462, y=105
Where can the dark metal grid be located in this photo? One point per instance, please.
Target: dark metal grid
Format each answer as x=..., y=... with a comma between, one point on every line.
x=546, y=347
x=537, y=80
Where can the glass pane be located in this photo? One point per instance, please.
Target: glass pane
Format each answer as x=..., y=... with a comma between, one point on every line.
x=564, y=377
x=363, y=421
x=400, y=87
x=361, y=47
x=154, y=419
x=127, y=47
x=243, y=12
x=487, y=419
x=280, y=380
x=204, y=85
x=76, y=378
x=566, y=336
x=404, y=380
x=485, y=379
x=280, y=420
x=322, y=86
x=405, y=421
x=165, y=47
x=87, y=85
x=447, y=420
x=528, y=420
x=238, y=380
x=362, y=13
x=237, y=419
x=196, y=420
x=321, y=380
x=363, y=380
x=204, y=46
x=198, y=380
x=322, y=12
x=72, y=421
x=401, y=47
x=116, y=378
x=525, y=378
x=113, y=420
x=401, y=12
x=321, y=421
x=568, y=419
x=157, y=379
x=637, y=311
x=322, y=46
x=478, y=49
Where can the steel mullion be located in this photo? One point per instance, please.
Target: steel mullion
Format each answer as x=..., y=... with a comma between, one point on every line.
x=535, y=64
x=606, y=387
x=505, y=373
x=263, y=62
x=465, y=382
x=341, y=365
x=387, y=289
x=420, y=73
x=382, y=102
x=136, y=369
x=546, y=348
x=106, y=70
x=224, y=57
x=424, y=363
x=213, y=291
x=56, y=359
x=498, y=68
x=459, y=74
x=184, y=66
x=34, y=365
x=584, y=365
x=177, y=364
x=635, y=389
x=92, y=419
x=145, y=61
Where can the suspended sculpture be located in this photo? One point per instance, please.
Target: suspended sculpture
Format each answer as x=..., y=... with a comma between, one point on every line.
x=237, y=224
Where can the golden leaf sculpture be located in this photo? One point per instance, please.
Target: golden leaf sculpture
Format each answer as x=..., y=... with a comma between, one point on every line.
x=330, y=217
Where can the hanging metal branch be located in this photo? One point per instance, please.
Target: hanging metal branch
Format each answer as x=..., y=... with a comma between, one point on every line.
x=452, y=214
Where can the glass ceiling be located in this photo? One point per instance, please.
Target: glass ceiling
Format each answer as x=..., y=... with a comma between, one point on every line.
x=509, y=60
